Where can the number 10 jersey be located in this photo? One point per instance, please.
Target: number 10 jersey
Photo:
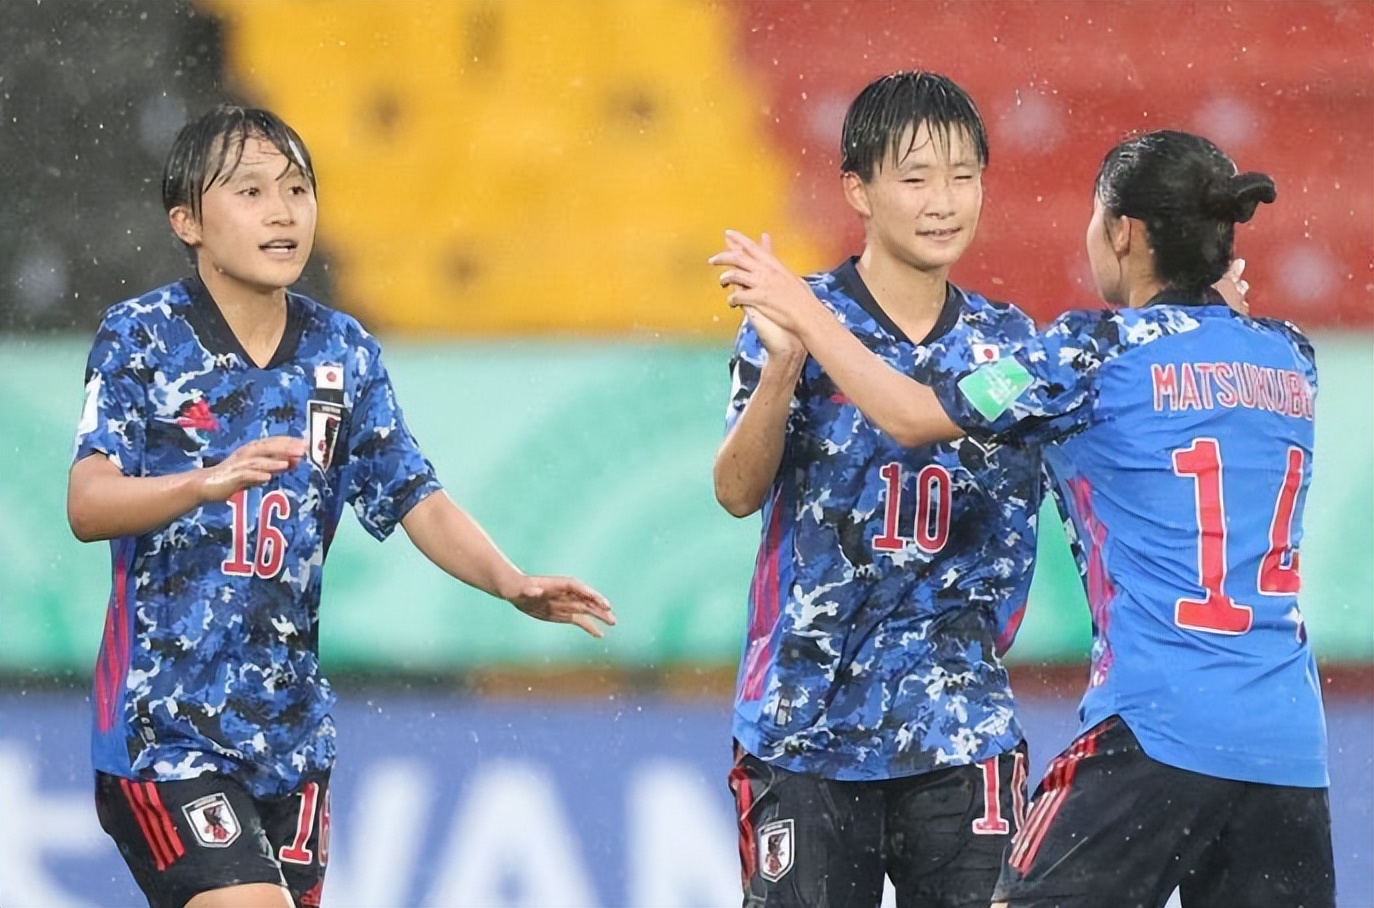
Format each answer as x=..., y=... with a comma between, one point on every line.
x=888, y=580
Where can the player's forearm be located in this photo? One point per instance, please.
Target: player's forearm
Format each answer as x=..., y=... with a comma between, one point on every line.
x=103, y=503
x=749, y=457
x=446, y=535
x=902, y=407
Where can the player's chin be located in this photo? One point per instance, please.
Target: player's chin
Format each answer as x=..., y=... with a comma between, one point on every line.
x=940, y=250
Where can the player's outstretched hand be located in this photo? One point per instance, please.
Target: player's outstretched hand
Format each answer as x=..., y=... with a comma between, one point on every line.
x=563, y=600
x=1233, y=287
x=251, y=464
x=761, y=283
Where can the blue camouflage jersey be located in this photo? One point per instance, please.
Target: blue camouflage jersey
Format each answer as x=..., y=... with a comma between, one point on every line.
x=888, y=579
x=1180, y=441
x=209, y=660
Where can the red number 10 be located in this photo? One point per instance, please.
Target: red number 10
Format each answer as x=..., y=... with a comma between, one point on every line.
x=931, y=531
x=1278, y=574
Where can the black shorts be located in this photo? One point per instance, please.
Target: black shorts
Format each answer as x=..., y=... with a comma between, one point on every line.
x=1111, y=826
x=183, y=838
x=810, y=842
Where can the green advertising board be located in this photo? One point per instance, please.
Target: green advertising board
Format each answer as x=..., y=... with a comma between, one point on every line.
x=592, y=459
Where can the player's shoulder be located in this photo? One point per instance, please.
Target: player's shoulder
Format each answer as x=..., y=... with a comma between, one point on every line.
x=1291, y=333
x=147, y=310
x=839, y=288
x=1003, y=312
x=331, y=322
x=1123, y=328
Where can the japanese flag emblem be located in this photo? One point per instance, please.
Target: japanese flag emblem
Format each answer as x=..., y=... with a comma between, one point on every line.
x=986, y=353
x=329, y=377
x=776, y=850
x=213, y=821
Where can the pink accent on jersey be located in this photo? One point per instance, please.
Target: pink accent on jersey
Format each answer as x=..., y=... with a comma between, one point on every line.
x=766, y=610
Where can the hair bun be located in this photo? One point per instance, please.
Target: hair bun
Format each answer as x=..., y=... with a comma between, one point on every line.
x=1235, y=198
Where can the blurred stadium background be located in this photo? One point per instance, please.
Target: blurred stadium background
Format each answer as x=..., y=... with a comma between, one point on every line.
x=519, y=198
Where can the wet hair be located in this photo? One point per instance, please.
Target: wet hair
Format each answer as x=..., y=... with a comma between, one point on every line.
x=209, y=148
x=878, y=118
x=1189, y=196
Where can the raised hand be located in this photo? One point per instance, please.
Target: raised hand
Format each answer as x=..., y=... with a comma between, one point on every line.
x=762, y=284
x=1233, y=287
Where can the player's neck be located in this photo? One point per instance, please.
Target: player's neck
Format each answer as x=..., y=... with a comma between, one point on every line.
x=1139, y=281
x=911, y=297
x=256, y=316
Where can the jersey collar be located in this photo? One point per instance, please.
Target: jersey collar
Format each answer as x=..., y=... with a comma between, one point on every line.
x=217, y=337
x=853, y=285
x=1172, y=297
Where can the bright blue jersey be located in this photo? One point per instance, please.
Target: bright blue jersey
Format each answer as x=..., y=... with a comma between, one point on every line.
x=209, y=658
x=887, y=579
x=1180, y=441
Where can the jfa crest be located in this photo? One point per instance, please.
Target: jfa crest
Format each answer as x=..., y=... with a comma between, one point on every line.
x=213, y=821
x=325, y=419
x=776, y=850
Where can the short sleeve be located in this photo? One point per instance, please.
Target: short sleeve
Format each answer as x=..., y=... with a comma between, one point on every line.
x=1041, y=392
x=114, y=414
x=746, y=363
x=387, y=472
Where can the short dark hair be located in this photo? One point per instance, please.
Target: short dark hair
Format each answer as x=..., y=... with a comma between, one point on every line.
x=210, y=147
x=1190, y=197
x=878, y=119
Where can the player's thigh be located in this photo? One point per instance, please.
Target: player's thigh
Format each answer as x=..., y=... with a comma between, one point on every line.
x=185, y=838
x=1274, y=852
x=298, y=829
x=947, y=831
x=1110, y=826
x=806, y=842
x=249, y=895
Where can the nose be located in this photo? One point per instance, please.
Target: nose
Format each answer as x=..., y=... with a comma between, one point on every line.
x=940, y=201
x=280, y=210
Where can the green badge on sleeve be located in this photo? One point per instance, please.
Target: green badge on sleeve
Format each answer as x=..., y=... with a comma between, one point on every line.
x=991, y=389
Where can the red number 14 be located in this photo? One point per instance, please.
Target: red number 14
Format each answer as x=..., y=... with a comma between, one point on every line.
x=1278, y=573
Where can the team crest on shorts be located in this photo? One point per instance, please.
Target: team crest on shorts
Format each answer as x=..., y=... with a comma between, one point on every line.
x=325, y=419
x=213, y=821
x=775, y=850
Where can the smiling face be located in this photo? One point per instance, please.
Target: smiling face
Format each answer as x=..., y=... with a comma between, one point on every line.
x=256, y=227
x=922, y=205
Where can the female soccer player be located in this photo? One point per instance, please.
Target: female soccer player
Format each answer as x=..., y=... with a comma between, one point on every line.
x=1179, y=433
x=227, y=423
x=875, y=729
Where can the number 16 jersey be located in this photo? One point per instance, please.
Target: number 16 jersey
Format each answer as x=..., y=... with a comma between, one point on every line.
x=209, y=659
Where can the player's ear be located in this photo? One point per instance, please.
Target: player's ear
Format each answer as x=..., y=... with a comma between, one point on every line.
x=856, y=193
x=1123, y=232
x=184, y=225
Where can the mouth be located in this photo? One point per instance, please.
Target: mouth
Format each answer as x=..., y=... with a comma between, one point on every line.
x=943, y=233
x=279, y=247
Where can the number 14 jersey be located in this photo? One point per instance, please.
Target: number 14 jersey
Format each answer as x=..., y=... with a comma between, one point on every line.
x=1180, y=441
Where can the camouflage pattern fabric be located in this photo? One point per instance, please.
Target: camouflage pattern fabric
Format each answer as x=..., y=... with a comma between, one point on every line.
x=888, y=579
x=209, y=660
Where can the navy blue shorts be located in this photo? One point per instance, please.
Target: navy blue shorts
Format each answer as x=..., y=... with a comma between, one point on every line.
x=811, y=842
x=1111, y=826
x=183, y=838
